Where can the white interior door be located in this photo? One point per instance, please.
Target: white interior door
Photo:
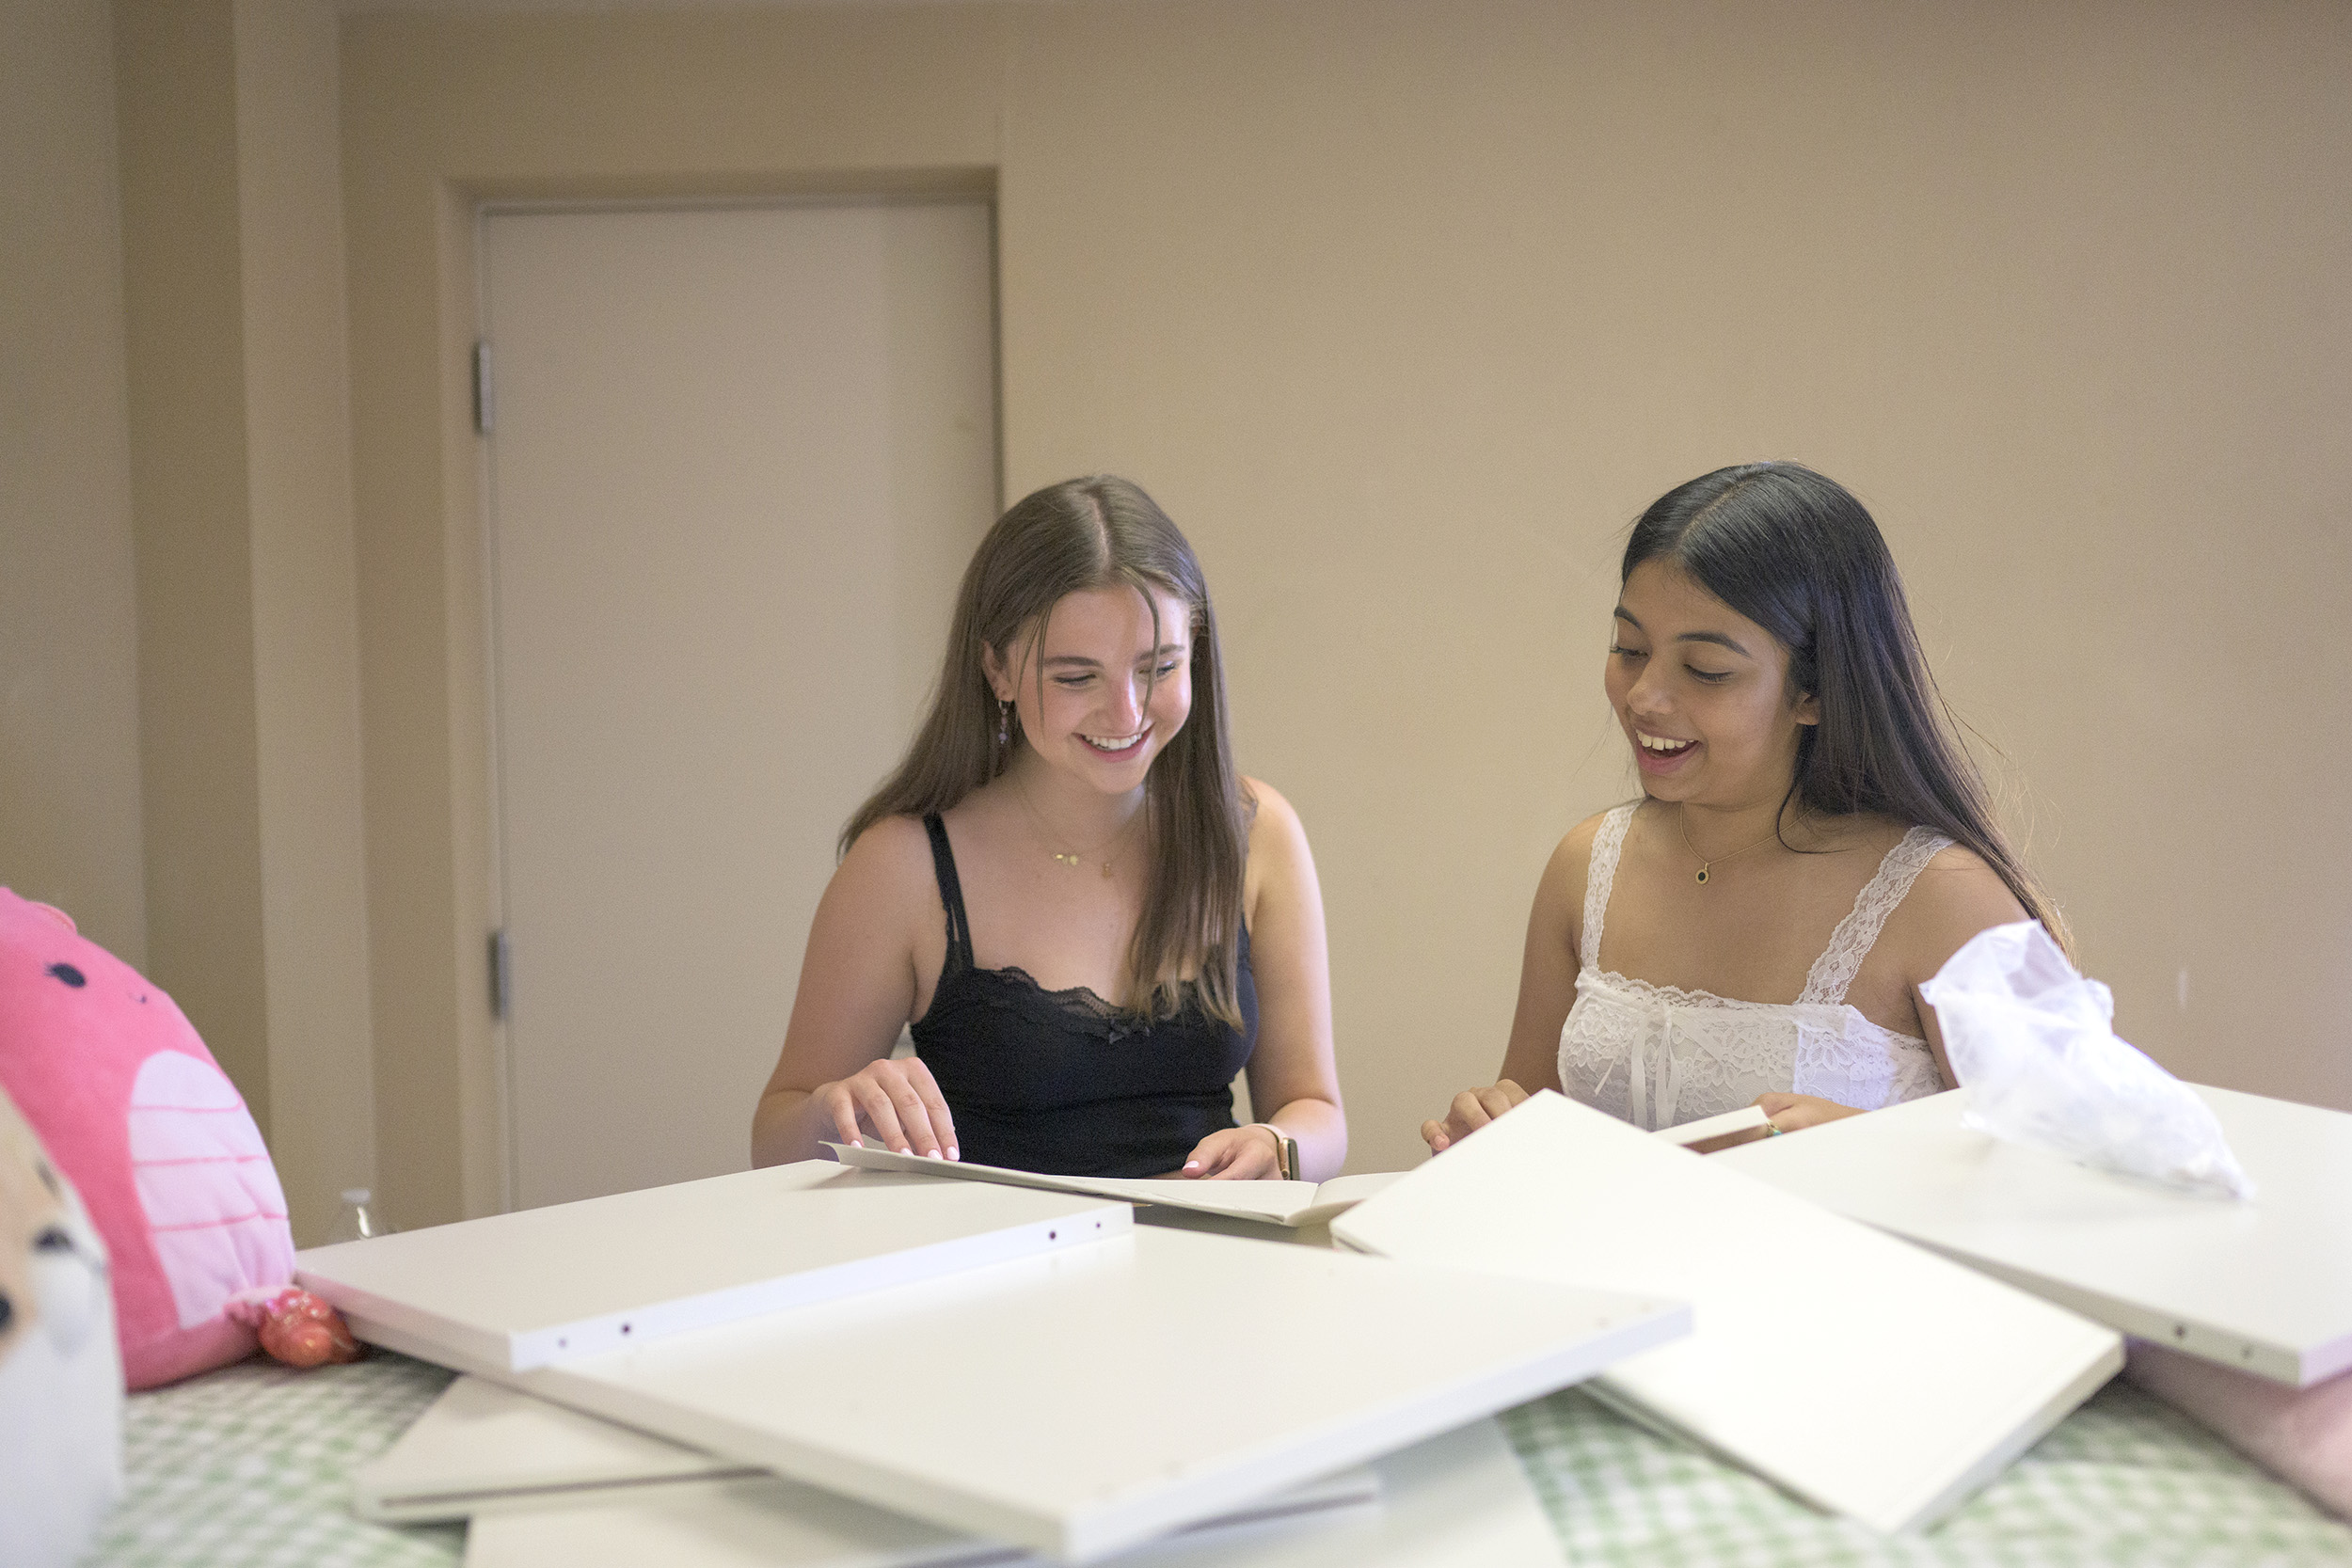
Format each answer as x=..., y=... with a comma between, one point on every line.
x=739, y=457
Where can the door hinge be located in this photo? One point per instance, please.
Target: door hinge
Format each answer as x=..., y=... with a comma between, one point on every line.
x=485, y=411
x=501, y=974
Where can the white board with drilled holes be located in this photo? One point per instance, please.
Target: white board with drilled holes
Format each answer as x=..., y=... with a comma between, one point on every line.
x=533, y=1289
x=1082, y=1401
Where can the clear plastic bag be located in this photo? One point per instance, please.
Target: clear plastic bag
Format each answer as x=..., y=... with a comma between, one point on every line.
x=2034, y=1044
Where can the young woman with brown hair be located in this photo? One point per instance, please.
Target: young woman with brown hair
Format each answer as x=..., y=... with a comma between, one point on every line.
x=1090, y=920
x=1811, y=843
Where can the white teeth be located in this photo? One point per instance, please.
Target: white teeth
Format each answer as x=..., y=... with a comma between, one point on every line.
x=1660, y=743
x=1121, y=744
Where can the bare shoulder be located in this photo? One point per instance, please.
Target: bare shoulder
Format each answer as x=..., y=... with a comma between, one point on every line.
x=888, y=866
x=1559, y=909
x=1577, y=844
x=1957, y=894
x=1572, y=857
x=1274, y=824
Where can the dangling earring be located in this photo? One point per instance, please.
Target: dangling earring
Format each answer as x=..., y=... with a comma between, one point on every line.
x=1004, y=723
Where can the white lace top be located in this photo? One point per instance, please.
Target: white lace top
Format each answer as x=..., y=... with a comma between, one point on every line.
x=1657, y=1056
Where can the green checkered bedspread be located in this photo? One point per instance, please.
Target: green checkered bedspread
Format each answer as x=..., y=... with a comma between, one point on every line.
x=246, y=1466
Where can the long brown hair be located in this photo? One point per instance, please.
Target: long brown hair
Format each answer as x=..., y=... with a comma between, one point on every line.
x=1068, y=538
x=1797, y=554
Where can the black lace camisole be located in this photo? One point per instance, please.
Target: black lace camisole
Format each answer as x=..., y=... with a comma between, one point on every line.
x=1059, y=1080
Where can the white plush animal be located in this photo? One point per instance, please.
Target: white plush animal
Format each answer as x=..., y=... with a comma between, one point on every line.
x=60, y=1370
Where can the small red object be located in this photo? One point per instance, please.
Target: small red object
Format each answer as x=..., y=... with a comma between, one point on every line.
x=294, y=1326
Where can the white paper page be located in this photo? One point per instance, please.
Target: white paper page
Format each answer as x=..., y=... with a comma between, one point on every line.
x=531, y=1288
x=1288, y=1203
x=2265, y=1287
x=1865, y=1375
x=1081, y=1403
x=1452, y=1499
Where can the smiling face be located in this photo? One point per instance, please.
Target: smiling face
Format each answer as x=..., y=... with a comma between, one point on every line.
x=1703, y=693
x=1114, y=688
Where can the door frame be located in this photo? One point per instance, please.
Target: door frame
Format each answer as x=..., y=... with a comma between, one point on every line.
x=446, y=1135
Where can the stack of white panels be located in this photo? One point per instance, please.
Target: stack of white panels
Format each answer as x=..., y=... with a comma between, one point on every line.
x=1077, y=1400
x=1457, y=1499
x=600, y=1492
x=1862, y=1374
x=2266, y=1286
x=483, y=1449
x=1082, y=1402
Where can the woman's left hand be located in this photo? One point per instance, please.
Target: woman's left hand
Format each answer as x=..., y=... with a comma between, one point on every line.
x=1792, y=1113
x=1236, y=1154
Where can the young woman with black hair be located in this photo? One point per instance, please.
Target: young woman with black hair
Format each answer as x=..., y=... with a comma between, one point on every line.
x=1811, y=843
x=1091, y=920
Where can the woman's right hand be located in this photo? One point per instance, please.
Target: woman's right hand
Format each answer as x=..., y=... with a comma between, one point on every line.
x=1471, y=1110
x=898, y=1100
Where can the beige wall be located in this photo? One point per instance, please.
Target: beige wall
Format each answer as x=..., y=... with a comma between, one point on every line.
x=1404, y=310
x=306, y=632
x=68, y=685
x=240, y=500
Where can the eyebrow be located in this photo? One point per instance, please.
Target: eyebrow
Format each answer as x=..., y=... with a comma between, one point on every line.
x=1715, y=637
x=1097, y=664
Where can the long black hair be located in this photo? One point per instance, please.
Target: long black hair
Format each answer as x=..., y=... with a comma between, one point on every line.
x=1798, y=555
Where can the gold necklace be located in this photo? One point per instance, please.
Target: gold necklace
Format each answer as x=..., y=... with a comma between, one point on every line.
x=1705, y=864
x=1045, y=832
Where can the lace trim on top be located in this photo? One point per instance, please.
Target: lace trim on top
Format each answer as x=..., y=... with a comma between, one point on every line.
x=1006, y=989
x=1598, y=876
x=1841, y=960
x=1656, y=1055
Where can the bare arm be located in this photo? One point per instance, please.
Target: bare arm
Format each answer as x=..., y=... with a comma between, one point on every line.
x=1956, y=895
x=1548, y=967
x=833, y=1079
x=1292, y=1070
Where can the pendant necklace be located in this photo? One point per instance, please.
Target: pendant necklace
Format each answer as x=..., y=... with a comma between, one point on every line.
x=1073, y=859
x=1706, y=864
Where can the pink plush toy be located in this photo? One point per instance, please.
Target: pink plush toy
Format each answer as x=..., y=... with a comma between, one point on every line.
x=142, y=1120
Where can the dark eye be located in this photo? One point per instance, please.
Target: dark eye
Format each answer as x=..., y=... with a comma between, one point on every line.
x=1625, y=653
x=53, y=1238
x=70, y=974
x=1709, y=675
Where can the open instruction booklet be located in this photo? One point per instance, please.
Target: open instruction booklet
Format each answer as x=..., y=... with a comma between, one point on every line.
x=1285, y=1203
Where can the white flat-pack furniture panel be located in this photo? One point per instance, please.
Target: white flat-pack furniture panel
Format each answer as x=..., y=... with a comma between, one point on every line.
x=1082, y=1401
x=1293, y=1204
x=483, y=1448
x=2264, y=1286
x=1865, y=1375
x=1456, y=1499
x=526, y=1290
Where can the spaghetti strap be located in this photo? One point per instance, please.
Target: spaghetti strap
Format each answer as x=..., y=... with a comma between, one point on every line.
x=950, y=894
x=1607, y=841
x=1841, y=960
